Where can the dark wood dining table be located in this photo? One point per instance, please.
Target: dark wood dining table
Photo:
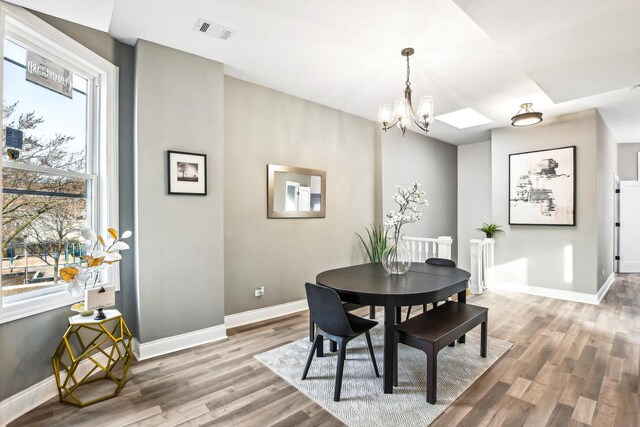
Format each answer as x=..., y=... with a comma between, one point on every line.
x=370, y=284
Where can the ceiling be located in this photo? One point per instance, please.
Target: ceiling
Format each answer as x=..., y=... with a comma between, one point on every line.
x=489, y=55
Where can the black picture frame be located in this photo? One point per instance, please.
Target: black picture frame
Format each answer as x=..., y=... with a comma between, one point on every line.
x=194, y=175
x=545, y=197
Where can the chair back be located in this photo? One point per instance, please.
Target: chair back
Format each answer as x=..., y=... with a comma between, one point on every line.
x=326, y=310
x=441, y=261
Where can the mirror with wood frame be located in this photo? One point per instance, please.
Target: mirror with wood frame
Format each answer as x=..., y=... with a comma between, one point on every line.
x=295, y=192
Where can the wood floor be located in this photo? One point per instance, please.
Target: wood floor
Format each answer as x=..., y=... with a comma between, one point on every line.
x=571, y=364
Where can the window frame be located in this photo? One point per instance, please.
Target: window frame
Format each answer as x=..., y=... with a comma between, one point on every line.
x=102, y=130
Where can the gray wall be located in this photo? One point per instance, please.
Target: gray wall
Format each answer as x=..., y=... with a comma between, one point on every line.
x=264, y=126
x=25, y=362
x=628, y=162
x=434, y=165
x=179, y=106
x=548, y=256
x=605, y=192
x=474, y=196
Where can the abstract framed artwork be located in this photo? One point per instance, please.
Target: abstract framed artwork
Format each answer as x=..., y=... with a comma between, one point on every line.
x=187, y=173
x=542, y=187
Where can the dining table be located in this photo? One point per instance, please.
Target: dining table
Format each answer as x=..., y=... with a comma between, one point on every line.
x=370, y=284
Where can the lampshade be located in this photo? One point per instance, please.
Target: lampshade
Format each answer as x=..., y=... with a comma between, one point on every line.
x=425, y=109
x=384, y=113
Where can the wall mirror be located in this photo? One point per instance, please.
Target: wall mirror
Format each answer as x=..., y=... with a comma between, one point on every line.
x=295, y=192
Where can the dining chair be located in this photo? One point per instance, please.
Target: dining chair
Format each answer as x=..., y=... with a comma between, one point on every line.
x=335, y=323
x=443, y=262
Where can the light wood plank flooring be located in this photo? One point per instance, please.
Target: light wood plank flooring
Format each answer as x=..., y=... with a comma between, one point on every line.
x=571, y=365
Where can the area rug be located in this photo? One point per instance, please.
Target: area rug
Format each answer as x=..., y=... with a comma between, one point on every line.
x=362, y=401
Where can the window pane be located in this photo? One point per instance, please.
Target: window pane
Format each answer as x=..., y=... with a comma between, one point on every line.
x=54, y=126
x=42, y=219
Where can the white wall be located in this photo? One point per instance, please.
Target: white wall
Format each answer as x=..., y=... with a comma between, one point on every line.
x=605, y=192
x=628, y=161
x=433, y=164
x=474, y=196
x=557, y=257
x=179, y=106
x=264, y=126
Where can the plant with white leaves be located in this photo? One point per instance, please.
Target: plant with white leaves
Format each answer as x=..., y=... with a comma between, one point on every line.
x=409, y=211
x=100, y=255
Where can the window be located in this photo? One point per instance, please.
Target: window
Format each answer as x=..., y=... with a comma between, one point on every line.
x=64, y=178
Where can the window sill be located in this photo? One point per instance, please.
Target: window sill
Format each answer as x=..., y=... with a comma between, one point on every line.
x=37, y=305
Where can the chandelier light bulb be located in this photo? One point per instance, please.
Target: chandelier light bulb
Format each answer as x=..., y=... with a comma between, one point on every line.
x=385, y=114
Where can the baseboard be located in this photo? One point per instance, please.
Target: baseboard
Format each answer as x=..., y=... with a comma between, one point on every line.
x=34, y=396
x=605, y=287
x=252, y=316
x=555, y=293
x=147, y=350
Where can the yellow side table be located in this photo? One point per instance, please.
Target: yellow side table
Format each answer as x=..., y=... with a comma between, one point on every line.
x=92, y=359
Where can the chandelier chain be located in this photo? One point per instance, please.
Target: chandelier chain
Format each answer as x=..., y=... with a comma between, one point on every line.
x=408, y=83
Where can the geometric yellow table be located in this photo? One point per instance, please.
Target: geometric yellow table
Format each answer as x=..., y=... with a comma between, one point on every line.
x=92, y=359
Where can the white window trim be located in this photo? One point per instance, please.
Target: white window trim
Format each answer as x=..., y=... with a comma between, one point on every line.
x=107, y=74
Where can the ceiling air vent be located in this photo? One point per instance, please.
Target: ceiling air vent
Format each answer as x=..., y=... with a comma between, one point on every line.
x=214, y=30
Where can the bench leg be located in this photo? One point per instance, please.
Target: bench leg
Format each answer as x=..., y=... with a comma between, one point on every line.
x=333, y=346
x=483, y=339
x=424, y=308
x=453, y=344
x=462, y=298
x=432, y=374
x=372, y=312
x=341, y=356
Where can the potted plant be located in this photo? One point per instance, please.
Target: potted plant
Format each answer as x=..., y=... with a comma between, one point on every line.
x=490, y=229
x=377, y=242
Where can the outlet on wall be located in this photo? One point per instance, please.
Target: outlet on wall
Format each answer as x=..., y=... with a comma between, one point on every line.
x=259, y=292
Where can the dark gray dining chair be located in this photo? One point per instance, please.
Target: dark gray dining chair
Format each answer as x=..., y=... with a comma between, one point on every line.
x=443, y=262
x=335, y=323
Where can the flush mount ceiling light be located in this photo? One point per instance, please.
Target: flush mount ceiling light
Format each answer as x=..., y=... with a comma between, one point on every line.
x=526, y=116
x=402, y=113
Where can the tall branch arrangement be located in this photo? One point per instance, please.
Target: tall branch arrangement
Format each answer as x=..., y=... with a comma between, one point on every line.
x=409, y=210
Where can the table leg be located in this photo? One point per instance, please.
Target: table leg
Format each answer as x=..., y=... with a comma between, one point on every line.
x=462, y=297
x=389, y=329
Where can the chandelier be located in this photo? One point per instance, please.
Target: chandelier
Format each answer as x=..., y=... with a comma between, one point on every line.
x=402, y=114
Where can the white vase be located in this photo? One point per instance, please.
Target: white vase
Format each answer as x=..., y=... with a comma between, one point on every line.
x=397, y=257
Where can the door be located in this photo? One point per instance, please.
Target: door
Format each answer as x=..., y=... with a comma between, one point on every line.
x=304, y=198
x=629, y=227
x=291, y=196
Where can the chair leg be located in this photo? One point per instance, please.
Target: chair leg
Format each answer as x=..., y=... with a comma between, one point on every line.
x=317, y=341
x=312, y=330
x=342, y=347
x=409, y=312
x=398, y=314
x=333, y=346
x=483, y=339
x=320, y=347
x=432, y=374
x=373, y=356
x=372, y=312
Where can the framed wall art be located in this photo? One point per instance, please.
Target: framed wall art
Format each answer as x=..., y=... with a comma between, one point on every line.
x=187, y=173
x=542, y=187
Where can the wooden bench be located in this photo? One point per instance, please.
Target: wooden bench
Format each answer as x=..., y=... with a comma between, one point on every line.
x=434, y=330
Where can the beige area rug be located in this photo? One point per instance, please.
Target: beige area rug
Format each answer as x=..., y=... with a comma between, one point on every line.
x=362, y=402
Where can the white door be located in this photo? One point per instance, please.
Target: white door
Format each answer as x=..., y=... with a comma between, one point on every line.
x=304, y=199
x=291, y=196
x=629, y=226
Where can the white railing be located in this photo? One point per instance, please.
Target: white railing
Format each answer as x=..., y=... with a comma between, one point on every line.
x=429, y=247
x=482, y=251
